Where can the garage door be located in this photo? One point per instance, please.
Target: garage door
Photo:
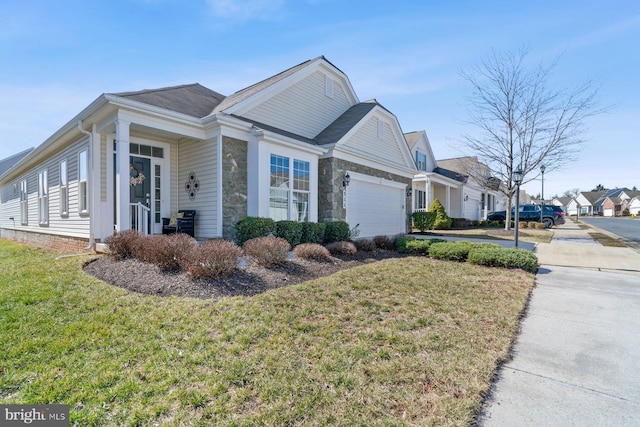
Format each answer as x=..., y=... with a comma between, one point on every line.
x=377, y=206
x=471, y=209
x=608, y=212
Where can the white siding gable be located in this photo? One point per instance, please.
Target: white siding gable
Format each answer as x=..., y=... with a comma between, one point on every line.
x=304, y=108
x=424, y=146
x=385, y=144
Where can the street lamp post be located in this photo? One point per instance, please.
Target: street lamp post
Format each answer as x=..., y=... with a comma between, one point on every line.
x=542, y=168
x=517, y=179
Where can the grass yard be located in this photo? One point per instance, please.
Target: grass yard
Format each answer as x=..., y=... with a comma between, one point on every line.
x=525, y=234
x=410, y=341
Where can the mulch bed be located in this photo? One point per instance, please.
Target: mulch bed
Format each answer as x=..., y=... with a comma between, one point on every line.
x=148, y=279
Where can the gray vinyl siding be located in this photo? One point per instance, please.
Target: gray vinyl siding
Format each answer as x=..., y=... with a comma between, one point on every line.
x=366, y=141
x=201, y=159
x=303, y=108
x=73, y=224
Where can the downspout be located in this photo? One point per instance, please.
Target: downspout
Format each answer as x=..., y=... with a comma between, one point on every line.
x=92, y=242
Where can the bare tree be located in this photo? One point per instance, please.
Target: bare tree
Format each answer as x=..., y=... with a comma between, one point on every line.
x=523, y=123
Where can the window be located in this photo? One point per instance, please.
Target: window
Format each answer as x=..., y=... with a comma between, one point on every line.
x=287, y=201
x=24, y=203
x=83, y=189
x=420, y=199
x=43, y=198
x=421, y=161
x=64, y=185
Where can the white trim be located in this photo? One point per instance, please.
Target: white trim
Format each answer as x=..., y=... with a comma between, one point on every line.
x=375, y=180
x=343, y=153
x=219, y=196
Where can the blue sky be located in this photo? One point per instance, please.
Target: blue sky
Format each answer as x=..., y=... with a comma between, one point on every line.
x=57, y=57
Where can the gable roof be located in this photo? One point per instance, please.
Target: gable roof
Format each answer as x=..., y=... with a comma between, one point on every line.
x=451, y=174
x=191, y=99
x=249, y=91
x=592, y=196
x=564, y=200
x=9, y=162
x=343, y=124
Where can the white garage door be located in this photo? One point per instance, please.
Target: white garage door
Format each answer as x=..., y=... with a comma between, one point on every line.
x=472, y=209
x=608, y=212
x=377, y=206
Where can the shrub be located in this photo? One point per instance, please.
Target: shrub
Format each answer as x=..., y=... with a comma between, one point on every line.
x=213, y=259
x=366, y=245
x=401, y=244
x=532, y=224
x=267, y=251
x=141, y=245
x=385, y=242
x=167, y=252
x=311, y=251
x=494, y=256
x=342, y=248
x=291, y=231
x=483, y=223
x=312, y=232
x=494, y=224
x=336, y=231
x=424, y=220
x=442, y=222
x=251, y=227
x=522, y=224
x=450, y=251
x=540, y=225
x=121, y=243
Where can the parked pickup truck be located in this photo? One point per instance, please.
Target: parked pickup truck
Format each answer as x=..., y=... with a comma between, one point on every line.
x=553, y=215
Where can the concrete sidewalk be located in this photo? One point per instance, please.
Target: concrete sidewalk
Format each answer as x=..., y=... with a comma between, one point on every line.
x=576, y=359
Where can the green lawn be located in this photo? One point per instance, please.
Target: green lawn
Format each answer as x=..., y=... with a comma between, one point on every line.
x=409, y=341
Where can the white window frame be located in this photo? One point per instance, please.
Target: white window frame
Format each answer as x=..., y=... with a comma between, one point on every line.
x=83, y=182
x=64, y=188
x=290, y=188
x=420, y=199
x=24, y=203
x=43, y=197
x=421, y=161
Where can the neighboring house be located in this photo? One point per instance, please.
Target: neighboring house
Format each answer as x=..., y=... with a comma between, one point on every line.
x=634, y=206
x=573, y=208
x=298, y=145
x=563, y=202
x=588, y=202
x=612, y=206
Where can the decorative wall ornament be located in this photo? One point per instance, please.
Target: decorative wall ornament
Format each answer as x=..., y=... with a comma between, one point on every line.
x=192, y=185
x=135, y=175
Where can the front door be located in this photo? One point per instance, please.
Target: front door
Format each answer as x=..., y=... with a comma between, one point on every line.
x=140, y=189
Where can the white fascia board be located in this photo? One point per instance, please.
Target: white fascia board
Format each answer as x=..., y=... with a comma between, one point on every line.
x=375, y=180
x=283, y=141
x=439, y=179
x=288, y=81
x=226, y=125
x=344, y=153
x=62, y=136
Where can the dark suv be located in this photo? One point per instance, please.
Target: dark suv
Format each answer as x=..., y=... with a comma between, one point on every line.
x=552, y=215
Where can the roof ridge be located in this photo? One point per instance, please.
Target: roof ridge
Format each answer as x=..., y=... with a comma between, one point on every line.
x=160, y=89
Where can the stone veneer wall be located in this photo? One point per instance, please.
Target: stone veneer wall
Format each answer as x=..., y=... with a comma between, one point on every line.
x=50, y=242
x=234, y=184
x=331, y=171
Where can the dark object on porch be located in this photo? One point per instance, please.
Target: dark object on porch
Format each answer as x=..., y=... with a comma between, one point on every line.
x=184, y=224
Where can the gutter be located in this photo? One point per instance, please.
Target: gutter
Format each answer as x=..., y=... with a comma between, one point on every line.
x=92, y=242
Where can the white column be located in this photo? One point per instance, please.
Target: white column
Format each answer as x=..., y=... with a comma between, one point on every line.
x=123, y=222
x=95, y=183
x=447, y=199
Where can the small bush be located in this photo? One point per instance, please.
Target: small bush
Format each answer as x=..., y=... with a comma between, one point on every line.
x=493, y=256
x=342, y=248
x=450, y=251
x=267, y=251
x=366, y=245
x=424, y=220
x=140, y=247
x=494, y=224
x=531, y=224
x=336, y=231
x=483, y=223
x=312, y=232
x=167, y=251
x=522, y=224
x=291, y=231
x=311, y=251
x=213, y=259
x=251, y=227
x=540, y=225
x=121, y=244
x=442, y=222
x=385, y=242
x=401, y=244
